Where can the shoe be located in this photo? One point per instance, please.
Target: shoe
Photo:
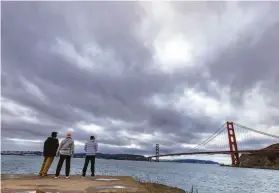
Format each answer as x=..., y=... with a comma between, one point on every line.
x=82, y=176
x=56, y=177
x=67, y=177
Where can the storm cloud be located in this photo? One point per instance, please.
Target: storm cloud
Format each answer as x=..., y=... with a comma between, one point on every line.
x=137, y=73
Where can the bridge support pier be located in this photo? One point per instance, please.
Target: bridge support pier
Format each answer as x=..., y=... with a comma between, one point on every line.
x=157, y=152
x=233, y=144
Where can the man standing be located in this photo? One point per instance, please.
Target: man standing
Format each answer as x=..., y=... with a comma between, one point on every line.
x=91, y=147
x=50, y=148
x=65, y=150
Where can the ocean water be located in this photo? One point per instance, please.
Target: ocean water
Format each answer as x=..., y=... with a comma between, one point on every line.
x=206, y=178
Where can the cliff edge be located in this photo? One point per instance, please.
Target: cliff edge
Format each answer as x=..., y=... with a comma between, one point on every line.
x=261, y=160
x=124, y=184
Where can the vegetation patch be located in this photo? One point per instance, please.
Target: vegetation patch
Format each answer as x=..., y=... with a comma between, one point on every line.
x=155, y=187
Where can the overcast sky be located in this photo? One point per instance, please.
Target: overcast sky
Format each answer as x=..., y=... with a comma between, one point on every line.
x=136, y=73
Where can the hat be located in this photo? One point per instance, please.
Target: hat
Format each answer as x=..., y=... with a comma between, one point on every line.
x=68, y=134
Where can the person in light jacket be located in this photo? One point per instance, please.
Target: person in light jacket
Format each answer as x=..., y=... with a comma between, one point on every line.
x=66, y=151
x=91, y=147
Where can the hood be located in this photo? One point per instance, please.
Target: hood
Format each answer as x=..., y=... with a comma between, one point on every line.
x=68, y=139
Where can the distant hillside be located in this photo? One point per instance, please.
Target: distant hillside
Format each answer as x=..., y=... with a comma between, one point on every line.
x=110, y=156
x=196, y=161
x=261, y=160
x=115, y=156
x=81, y=155
x=22, y=153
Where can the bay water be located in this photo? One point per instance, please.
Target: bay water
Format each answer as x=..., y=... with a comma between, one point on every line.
x=206, y=178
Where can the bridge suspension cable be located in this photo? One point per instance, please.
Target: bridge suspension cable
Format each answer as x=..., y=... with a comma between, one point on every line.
x=220, y=137
x=256, y=131
x=214, y=135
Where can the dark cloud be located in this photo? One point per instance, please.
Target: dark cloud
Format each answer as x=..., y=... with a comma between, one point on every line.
x=23, y=129
x=72, y=63
x=244, y=64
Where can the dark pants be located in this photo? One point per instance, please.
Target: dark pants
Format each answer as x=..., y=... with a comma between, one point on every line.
x=92, y=160
x=60, y=164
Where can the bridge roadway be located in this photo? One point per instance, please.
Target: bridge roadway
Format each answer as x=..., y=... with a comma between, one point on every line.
x=221, y=152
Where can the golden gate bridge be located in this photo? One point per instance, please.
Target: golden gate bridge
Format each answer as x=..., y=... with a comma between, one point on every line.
x=232, y=134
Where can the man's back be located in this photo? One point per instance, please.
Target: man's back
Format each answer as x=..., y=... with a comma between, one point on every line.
x=67, y=146
x=91, y=147
x=50, y=147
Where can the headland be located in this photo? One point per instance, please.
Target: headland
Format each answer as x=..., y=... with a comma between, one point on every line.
x=75, y=184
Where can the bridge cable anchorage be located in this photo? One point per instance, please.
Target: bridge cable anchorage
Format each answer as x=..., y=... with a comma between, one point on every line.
x=214, y=135
x=256, y=131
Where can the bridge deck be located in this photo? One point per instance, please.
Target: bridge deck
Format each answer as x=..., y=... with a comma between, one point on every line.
x=75, y=184
x=221, y=152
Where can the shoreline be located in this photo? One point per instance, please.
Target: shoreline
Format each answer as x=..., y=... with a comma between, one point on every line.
x=252, y=167
x=31, y=182
x=80, y=157
x=129, y=157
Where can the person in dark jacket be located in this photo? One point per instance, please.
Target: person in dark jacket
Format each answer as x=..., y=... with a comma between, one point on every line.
x=50, y=147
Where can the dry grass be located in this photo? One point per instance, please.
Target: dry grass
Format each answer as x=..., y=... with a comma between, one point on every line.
x=160, y=188
x=276, y=166
x=154, y=187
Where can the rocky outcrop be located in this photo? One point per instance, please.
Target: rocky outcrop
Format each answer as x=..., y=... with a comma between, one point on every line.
x=261, y=160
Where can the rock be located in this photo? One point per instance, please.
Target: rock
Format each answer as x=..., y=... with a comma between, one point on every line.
x=261, y=160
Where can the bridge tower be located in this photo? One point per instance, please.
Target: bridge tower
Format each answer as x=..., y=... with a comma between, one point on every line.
x=157, y=152
x=233, y=144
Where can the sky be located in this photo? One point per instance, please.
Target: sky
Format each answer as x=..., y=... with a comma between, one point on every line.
x=134, y=74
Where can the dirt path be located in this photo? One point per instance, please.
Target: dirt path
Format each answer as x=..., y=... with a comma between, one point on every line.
x=75, y=184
